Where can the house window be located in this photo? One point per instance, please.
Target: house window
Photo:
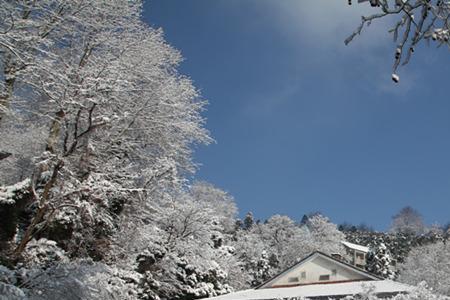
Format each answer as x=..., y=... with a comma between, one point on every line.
x=334, y=272
x=324, y=277
x=293, y=279
x=360, y=256
x=303, y=275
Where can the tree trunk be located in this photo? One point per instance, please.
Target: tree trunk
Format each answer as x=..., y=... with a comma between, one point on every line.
x=42, y=210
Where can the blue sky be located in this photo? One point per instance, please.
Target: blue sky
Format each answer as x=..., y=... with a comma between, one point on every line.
x=304, y=123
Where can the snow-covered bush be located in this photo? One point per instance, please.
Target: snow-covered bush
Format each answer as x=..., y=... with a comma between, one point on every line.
x=421, y=292
x=10, y=194
x=43, y=253
x=13, y=199
x=80, y=280
x=180, y=278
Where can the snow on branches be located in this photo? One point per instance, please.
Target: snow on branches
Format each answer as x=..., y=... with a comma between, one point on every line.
x=417, y=21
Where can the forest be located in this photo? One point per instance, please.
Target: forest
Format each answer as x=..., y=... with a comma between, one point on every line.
x=97, y=133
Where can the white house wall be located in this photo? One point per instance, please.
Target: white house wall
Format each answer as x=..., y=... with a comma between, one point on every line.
x=315, y=268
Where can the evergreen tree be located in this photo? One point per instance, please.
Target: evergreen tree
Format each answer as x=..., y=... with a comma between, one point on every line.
x=249, y=221
x=380, y=262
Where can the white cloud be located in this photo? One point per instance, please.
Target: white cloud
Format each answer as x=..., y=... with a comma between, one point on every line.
x=325, y=24
x=329, y=23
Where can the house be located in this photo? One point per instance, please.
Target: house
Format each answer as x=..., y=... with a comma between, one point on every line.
x=317, y=277
x=356, y=254
x=318, y=268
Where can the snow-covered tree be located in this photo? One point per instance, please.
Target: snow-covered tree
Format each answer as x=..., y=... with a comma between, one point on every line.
x=220, y=201
x=184, y=250
x=436, y=231
x=325, y=235
x=258, y=261
x=115, y=123
x=249, y=221
x=380, y=261
x=430, y=263
x=408, y=221
x=414, y=22
x=287, y=241
x=120, y=120
x=267, y=248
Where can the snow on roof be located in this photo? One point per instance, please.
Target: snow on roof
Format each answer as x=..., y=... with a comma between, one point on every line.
x=356, y=247
x=318, y=290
